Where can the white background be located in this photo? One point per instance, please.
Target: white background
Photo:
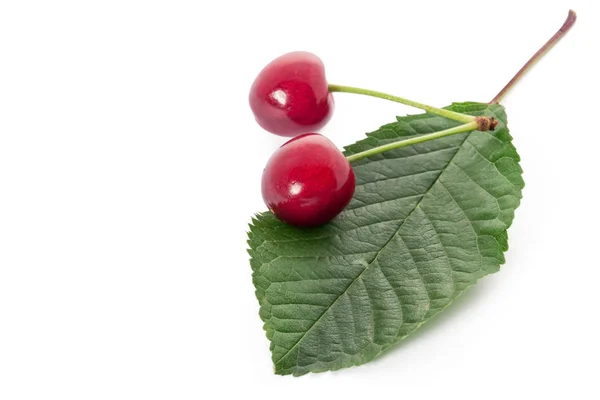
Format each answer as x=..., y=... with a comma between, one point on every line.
x=130, y=166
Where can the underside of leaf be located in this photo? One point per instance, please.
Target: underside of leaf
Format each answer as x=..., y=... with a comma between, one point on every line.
x=426, y=222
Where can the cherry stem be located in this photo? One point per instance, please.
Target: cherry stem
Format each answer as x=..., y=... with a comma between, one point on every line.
x=434, y=110
x=470, y=126
x=567, y=25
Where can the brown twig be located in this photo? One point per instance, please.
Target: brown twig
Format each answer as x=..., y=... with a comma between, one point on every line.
x=571, y=18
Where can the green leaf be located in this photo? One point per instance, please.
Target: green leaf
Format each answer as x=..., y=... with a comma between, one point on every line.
x=426, y=222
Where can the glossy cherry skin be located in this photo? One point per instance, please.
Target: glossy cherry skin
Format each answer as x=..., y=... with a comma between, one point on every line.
x=307, y=181
x=290, y=95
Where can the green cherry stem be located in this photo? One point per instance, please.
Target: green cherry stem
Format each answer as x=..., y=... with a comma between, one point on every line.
x=434, y=110
x=567, y=25
x=469, y=126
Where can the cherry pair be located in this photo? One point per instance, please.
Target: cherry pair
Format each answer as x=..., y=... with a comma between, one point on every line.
x=308, y=181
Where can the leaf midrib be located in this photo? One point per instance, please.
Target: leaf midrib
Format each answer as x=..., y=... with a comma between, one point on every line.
x=378, y=252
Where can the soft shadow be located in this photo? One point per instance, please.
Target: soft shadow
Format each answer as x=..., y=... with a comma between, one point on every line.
x=450, y=315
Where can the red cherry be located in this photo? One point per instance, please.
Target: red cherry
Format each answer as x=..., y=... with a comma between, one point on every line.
x=290, y=95
x=307, y=181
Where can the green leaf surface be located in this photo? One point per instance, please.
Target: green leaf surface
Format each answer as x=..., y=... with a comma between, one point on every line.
x=426, y=222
